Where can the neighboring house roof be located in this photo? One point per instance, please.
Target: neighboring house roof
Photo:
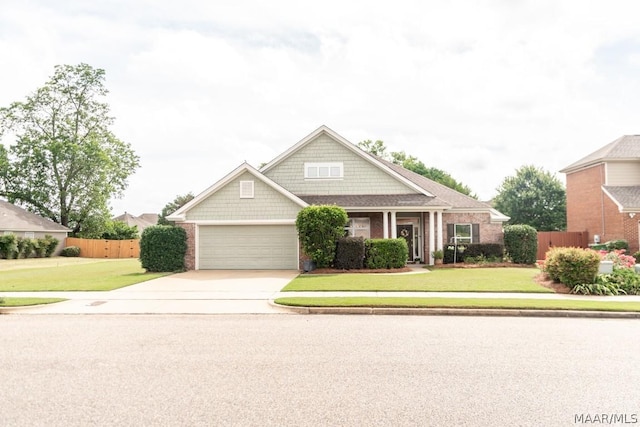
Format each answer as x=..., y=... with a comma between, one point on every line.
x=179, y=215
x=15, y=218
x=626, y=147
x=143, y=221
x=627, y=198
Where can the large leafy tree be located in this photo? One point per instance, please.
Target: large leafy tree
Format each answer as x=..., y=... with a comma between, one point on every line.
x=173, y=206
x=66, y=164
x=412, y=163
x=533, y=197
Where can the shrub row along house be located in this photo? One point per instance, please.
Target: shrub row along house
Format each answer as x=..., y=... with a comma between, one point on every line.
x=247, y=219
x=603, y=192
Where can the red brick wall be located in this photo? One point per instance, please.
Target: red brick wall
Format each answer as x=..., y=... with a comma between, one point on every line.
x=190, y=255
x=489, y=233
x=589, y=209
x=585, y=200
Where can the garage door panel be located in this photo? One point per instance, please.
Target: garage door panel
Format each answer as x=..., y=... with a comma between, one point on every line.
x=248, y=247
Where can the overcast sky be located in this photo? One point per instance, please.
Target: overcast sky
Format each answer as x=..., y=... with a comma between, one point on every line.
x=476, y=88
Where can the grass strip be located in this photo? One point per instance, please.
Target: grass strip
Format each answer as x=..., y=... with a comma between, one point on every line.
x=440, y=280
x=503, y=303
x=95, y=276
x=23, y=302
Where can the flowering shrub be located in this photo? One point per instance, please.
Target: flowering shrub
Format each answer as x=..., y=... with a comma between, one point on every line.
x=571, y=266
x=620, y=260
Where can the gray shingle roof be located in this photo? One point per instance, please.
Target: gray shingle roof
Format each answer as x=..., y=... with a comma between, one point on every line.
x=14, y=218
x=444, y=194
x=624, y=148
x=627, y=198
x=375, y=200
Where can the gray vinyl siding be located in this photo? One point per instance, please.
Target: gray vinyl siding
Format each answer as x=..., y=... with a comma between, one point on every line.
x=226, y=204
x=360, y=176
x=620, y=174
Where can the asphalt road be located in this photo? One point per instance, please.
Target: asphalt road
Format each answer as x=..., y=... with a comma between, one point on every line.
x=272, y=370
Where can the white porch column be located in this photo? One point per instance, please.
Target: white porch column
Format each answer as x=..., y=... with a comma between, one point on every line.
x=432, y=237
x=440, y=231
x=394, y=230
x=385, y=224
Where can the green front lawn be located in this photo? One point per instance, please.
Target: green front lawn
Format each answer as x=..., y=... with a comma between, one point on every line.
x=440, y=280
x=96, y=275
x=485, y=303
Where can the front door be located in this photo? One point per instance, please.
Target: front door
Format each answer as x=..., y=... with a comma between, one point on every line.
x=406, y=232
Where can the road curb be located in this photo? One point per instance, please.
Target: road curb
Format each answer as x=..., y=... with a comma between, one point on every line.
x=408, y=311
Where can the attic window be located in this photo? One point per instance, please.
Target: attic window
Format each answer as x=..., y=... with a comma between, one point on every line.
x=246, y=189
x=323, y=170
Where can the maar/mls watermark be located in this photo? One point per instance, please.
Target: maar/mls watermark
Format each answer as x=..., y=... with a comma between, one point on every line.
x=606, y=418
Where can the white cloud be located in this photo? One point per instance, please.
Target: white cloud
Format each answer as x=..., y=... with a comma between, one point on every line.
x=477, y=89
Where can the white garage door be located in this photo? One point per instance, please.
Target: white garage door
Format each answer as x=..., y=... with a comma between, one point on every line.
x=248, y=247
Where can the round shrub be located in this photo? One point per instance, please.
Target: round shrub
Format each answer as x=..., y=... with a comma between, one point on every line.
x=572, y=266
x=162, y=248
x=386, y=253
x=70, y=251
x=319, y=228
x=521, y=243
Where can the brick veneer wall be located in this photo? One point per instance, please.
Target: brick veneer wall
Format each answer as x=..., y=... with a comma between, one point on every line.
x=489, y=232
x=586, y=201
x=190, y=255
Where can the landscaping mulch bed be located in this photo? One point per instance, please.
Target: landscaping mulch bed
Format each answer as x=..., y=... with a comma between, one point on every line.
x=556, y=287
x=363, y=270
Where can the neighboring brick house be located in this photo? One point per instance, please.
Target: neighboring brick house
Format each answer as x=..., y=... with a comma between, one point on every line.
x=247, y=219
x=603, y=192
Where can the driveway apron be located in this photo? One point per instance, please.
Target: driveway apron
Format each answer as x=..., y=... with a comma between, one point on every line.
x=192, y=292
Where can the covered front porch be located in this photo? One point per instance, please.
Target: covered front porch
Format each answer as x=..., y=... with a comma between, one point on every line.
x=423, y=230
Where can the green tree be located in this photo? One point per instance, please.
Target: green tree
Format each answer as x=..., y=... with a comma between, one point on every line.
x=411, y=163
x=65, y=164
x=533, y=197
x=173, y=206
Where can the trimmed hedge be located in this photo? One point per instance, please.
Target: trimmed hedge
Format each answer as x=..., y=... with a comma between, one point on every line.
x=349, y=253
x=521, y=243
x=319, y=228
x=613, y=245
x=386, y=253
x=572, y=266
x=12, y=247
x=162, y=248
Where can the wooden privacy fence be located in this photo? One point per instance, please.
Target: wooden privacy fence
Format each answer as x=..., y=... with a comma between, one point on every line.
x=94, y=248
x=549, y=239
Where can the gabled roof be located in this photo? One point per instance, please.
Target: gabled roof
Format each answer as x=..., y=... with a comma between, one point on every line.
x=355, y=149
x=626, y=198
x=143, y=221
x=626, y=147
x=179, y=215
x=14, y=218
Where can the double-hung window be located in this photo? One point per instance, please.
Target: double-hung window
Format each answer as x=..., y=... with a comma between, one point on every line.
x=359, y=227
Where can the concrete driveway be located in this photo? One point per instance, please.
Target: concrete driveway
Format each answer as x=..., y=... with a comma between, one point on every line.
x=193, y=292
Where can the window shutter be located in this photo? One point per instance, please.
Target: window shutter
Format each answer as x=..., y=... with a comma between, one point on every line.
x=450, y=233
x=475, y=233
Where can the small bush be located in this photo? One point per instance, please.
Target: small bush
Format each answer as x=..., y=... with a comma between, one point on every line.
x=486, y=251
x=350, y=253
x=609, y=289
x=454, y=253
x=613, y=245
x=620, y=260
x=70, y=251
x=386, y=253
x=572, y=266
x=50, y=244
x=162, y=248
x=521, y=243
